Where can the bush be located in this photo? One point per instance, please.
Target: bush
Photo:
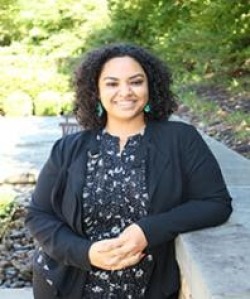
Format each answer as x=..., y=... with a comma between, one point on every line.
x=67, y=103
x=48, y=103
x=30, y=75
x=18, y=103
x=7, y=206
x=6, y=203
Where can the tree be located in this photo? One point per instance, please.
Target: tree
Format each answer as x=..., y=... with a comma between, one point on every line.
x=8, y=21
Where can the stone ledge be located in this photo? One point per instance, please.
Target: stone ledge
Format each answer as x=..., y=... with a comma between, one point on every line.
x=215, y=262
x=20, y=178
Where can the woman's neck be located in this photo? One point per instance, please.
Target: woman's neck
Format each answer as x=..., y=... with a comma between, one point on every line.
x=125, y=130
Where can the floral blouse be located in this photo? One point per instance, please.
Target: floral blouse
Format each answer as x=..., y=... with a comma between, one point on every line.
x=115, y=196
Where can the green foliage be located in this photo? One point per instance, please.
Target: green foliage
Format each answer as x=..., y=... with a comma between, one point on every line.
x=7, y=208
x=61, y=27
x=132, y=21
x=203, y=36
x=53, y=103
x=241, y=121
x=18, y=103
x=45, y=38
x=205, y=109
x=27, y=75
x=47, y=103
x=66, y=103
x=211, y=36
x=6, y=203
x=40, y=59
x=8, y=21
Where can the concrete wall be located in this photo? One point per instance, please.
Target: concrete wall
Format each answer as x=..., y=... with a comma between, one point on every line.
x=215, y=262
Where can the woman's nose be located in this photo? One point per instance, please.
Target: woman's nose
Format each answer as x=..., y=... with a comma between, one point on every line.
x=125, y=90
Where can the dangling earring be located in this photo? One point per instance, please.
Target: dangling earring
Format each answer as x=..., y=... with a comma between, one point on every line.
x=99, y=109
x=147, y=108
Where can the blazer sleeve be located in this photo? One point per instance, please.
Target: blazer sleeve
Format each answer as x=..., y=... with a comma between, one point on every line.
x=52, y=233
x=206, y=201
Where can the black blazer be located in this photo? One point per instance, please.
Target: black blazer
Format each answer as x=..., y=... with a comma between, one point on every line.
x=186, y=190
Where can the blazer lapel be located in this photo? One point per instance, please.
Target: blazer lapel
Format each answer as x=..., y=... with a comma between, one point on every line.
x=77, y=174
x=79, y=161
x=157, y=159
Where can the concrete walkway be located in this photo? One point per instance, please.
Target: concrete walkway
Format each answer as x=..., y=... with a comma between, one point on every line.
x=25, y=143
x=25, y=293
x=215, y=262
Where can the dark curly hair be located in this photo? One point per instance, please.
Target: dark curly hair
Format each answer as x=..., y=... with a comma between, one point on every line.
x=161, y=98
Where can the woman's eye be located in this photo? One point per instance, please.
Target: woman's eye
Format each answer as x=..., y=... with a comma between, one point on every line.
x=137, y=82
x=111, y=84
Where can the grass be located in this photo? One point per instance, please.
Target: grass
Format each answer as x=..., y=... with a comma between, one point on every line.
x=203, y=109
x=240, y=122
x=209, y=112
x=7, y=205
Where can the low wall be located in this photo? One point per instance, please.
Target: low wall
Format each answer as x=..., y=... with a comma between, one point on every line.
x=215, y=262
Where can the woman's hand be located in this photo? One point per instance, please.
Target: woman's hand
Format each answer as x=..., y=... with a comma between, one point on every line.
x=132, y=240
x=118, y=253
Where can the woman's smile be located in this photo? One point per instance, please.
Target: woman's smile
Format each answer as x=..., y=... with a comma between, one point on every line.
x=125, y=104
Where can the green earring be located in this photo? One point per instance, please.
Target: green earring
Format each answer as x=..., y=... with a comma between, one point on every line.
x=147, y=108
x=99, y=109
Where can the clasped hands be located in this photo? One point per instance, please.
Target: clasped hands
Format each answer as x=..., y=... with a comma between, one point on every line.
x=121, y=252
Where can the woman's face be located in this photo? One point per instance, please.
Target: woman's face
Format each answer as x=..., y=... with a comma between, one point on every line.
x=123, y=89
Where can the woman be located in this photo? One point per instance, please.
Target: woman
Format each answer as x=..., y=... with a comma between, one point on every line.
x=111, y=199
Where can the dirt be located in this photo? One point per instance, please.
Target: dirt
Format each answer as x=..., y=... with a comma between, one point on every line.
x=217, y=127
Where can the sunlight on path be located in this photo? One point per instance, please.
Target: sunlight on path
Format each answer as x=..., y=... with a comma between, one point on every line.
x=25, y=143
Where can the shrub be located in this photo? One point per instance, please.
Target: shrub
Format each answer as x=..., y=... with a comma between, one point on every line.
x=67, y=103
x=7, y=206
x=18, y=103
x=48, y=103
x=6, y=203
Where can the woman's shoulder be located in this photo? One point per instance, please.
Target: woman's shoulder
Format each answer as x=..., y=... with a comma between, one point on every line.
x=177, y=135
x=69, y=143
x=175, y=128
x=76, y=137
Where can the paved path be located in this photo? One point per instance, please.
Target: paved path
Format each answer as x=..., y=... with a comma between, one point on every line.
x=16, y=294
x=25, y=143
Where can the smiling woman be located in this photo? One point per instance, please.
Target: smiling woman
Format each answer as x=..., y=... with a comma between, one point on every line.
x=123, y=92
x=111, y=199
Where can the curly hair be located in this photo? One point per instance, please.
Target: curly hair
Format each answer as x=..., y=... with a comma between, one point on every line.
x=161, y=99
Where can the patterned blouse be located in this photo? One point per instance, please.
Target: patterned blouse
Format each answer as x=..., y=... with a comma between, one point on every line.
x=115, y=196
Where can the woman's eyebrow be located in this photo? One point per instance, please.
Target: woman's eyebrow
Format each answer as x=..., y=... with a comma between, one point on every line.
x=137, y=75
x=110, y=78
x=132, y=77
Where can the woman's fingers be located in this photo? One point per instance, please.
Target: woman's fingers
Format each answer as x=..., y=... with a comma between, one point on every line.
x=109, y=245
x=134, y=236
x=121, y=252
x=129, y=261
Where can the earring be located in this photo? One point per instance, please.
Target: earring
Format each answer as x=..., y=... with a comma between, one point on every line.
x=147, y=108
x=99, y=109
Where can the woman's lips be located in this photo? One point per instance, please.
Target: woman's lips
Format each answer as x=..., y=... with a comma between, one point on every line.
x=126, y=104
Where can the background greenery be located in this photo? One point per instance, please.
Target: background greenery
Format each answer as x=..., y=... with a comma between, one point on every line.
x=41, y=41
x=7, y=207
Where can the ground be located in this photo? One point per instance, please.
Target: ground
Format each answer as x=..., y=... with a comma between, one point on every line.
x=230, y=123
